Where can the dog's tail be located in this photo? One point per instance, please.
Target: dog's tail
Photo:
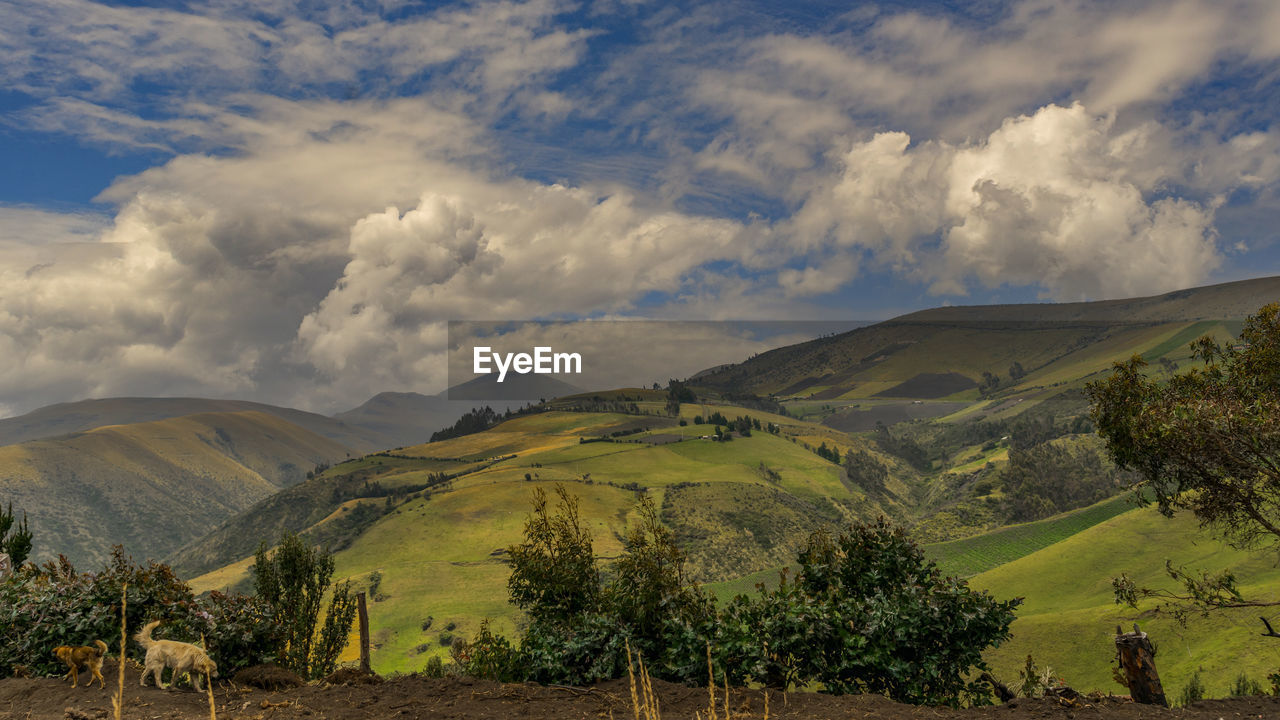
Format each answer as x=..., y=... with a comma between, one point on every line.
x=102, y=647
x=144, y=635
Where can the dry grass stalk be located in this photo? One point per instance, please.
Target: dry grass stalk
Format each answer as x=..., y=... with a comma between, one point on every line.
x=726, y=696
x=650, y=698
x=117, y=700
x=631, y=678
x=711, y=687
x=766, y=704
x=645, y=699
x=208, y=684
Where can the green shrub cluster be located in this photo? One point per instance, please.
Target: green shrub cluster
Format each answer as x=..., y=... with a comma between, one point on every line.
x=54, y=605
x=866, y=612
x=292, y=581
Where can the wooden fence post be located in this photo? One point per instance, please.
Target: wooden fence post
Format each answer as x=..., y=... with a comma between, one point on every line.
x=364, y=632
x=1137, y=657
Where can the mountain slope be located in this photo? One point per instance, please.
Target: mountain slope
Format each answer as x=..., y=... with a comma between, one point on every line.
x=735, y=506
x=71, y=417
x=1070, y=616
x=404, y=418
x=945, y=351
x=153, y=486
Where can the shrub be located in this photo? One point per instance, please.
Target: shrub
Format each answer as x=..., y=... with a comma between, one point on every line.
x=292, y=581
x=1193, y=691
x=866, y=613
x=434, y=667
x=905, y=641
x=492, y=657
x=15, y=538
x=553, y=572
x=1245, y=686
x=55, y=605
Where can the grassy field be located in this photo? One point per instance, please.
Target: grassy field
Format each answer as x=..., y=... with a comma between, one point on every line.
x=440, y=554
x=970, y=556
x=1069, y=616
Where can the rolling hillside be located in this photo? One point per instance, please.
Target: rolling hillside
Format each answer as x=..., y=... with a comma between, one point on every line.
x=1070, y=616
x=943, y=352
x=153, y=486
x=432, y=520
x=74, y=417
x=737, y=507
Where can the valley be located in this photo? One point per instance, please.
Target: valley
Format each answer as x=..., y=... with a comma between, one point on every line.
x=969, y=429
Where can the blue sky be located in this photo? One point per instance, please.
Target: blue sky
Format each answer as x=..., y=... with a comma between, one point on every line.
x=287, y=201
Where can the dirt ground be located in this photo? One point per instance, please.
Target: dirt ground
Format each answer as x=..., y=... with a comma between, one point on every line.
x=467, y=699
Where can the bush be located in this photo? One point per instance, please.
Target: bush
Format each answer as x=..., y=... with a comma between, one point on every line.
x=492, y=657
x=1193, y=691
x=292, y=581
x=866, y=613
x=1244, y=686
x=15, y=538
x=553, y=572
x=434, y=667
x=649, y=592
x=906, y=641
x=54, y=605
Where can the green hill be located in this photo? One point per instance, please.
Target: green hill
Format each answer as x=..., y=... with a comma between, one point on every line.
x=153, y=486
x=432, y=520
x=942, y=353
x=737, y=507
x=1069, y=616
x=83, y=415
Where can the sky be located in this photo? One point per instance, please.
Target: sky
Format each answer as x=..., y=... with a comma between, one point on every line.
x=287, y=202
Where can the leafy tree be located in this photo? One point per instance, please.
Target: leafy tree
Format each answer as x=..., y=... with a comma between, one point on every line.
x=1051, y=478
x=1208, y=441
x=15, y=538
x=553, y=572
x=989, y=383
x=864, y=470
x=293, y=581
x=889, y=619
x=649, y=588
x=1016, y=372
x=579, y=622
x=866, y=613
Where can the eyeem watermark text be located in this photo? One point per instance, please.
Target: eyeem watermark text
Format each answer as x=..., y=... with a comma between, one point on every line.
x=543, y=361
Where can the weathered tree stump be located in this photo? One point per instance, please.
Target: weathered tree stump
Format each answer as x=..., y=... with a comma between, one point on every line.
x=1137, y=657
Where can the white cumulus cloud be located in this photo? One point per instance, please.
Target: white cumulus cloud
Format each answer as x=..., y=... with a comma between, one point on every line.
x=1057, y=199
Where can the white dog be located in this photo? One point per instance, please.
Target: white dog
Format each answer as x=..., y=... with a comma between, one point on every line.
x=182, y=657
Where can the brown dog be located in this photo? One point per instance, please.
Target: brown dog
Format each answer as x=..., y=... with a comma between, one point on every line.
x=85, y=655
x=182, y=657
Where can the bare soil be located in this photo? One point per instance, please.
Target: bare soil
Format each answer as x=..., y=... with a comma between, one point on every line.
x=469, y=699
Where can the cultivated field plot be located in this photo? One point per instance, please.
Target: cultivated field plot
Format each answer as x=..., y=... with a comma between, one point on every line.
x=970, y=556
